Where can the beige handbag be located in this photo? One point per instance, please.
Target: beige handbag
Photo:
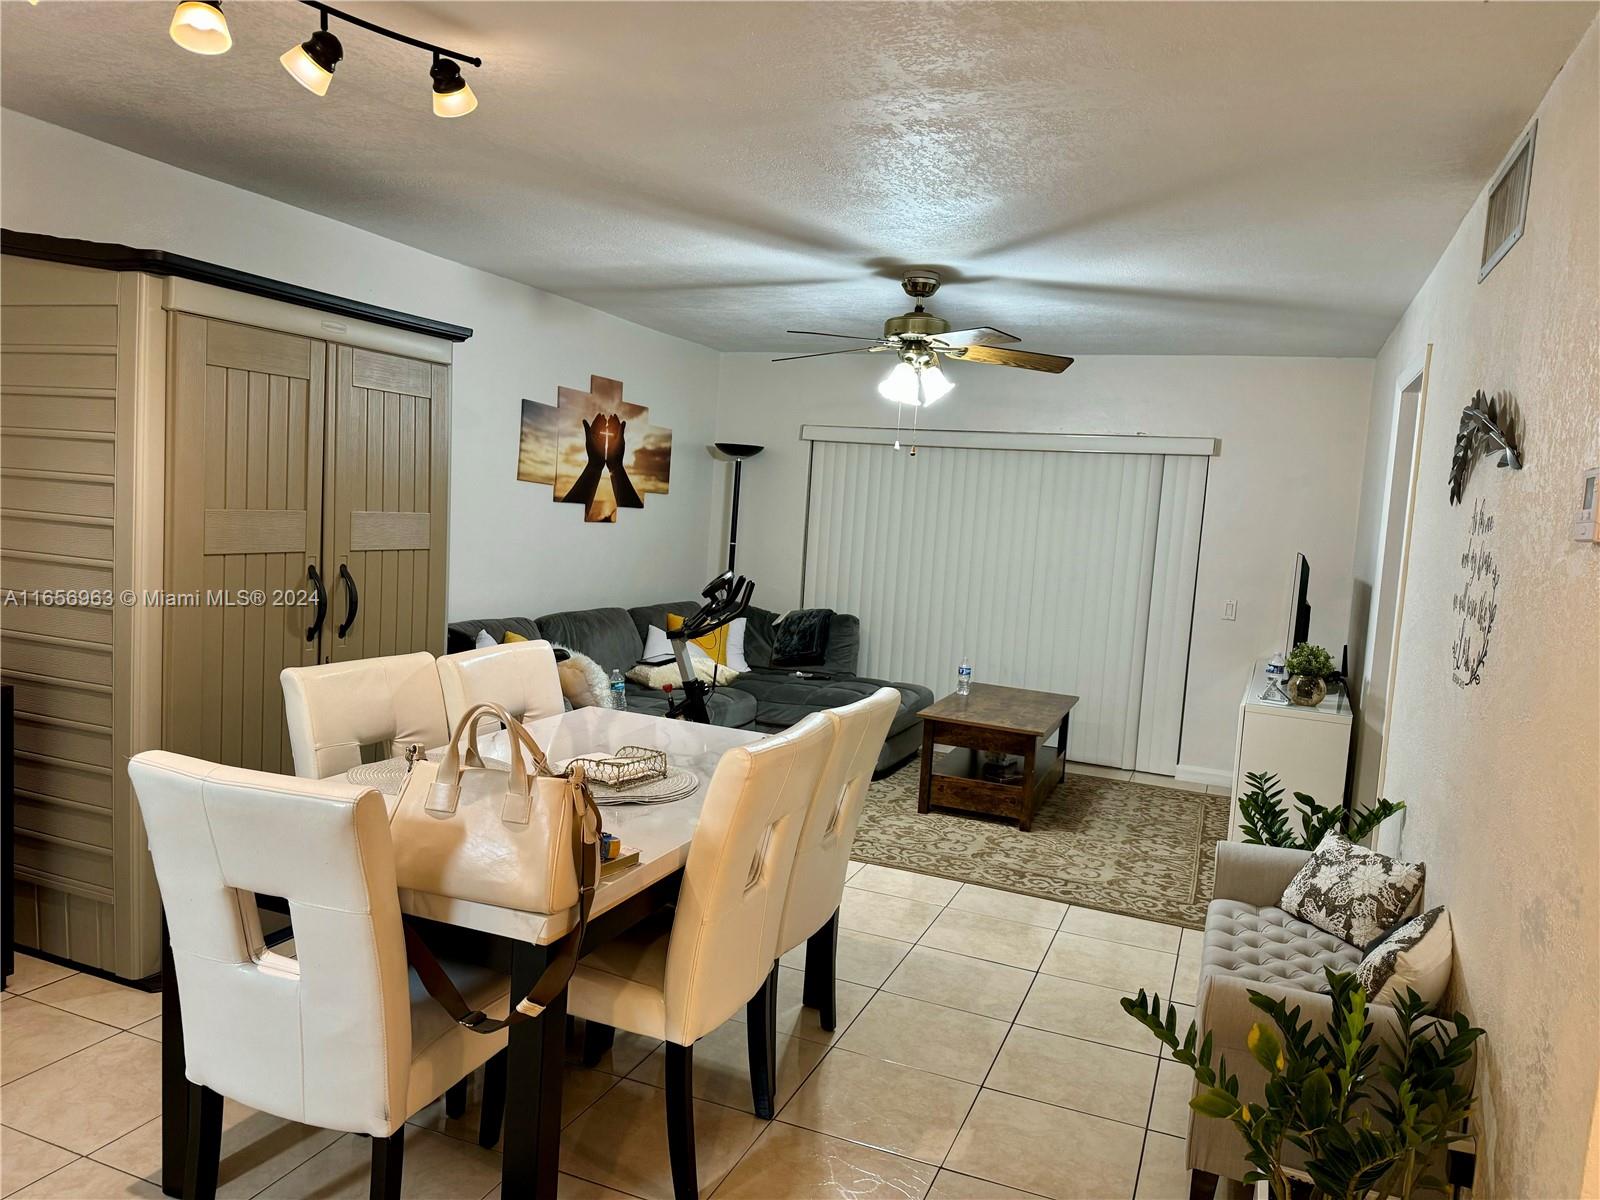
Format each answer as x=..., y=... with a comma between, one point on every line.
x=502, y=836
x=495, y=834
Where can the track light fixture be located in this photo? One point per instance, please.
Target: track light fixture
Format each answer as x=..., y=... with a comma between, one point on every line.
x=451, y=95
x=311, y=63
x=199, y=25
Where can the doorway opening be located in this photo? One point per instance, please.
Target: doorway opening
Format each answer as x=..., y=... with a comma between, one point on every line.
x=1388, y=601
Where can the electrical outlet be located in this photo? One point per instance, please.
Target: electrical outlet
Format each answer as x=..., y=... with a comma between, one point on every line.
x=1230, y=610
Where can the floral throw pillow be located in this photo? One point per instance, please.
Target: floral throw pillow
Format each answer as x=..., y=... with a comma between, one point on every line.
x=1415, y=957
x=1350, y=891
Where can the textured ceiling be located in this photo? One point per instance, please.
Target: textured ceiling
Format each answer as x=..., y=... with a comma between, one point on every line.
x=1229, y=178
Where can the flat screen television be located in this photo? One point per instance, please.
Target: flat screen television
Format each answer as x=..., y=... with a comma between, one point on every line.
x=1298, y=626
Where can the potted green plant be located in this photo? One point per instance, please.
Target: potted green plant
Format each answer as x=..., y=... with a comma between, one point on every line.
x=1264, y=820
x=1309, y=666
x=1365, y=1116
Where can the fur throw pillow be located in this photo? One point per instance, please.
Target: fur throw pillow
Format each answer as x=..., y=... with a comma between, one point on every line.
x=583, y=681
x=706, y=669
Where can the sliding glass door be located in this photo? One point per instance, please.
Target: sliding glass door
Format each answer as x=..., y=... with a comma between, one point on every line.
x=1060, y=571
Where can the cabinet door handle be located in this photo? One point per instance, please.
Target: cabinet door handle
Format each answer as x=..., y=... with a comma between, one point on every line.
x=355, y=600
x=322, y=602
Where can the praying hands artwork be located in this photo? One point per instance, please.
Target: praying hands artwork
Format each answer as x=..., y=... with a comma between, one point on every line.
x=594, y=449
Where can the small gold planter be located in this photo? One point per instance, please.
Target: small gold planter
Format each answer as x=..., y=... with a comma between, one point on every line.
x=1307, y=690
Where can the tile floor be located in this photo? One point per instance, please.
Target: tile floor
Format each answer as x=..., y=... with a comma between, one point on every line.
x=981, y=1053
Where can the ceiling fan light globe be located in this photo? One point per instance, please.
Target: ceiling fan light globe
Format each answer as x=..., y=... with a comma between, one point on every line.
x=900, y=385
x=936, y=384
x=200, y=27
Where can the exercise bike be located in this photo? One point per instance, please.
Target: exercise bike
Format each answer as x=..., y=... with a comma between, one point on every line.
x=726, y=599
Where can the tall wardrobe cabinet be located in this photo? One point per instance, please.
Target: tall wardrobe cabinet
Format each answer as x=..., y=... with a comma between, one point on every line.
x=201, y=486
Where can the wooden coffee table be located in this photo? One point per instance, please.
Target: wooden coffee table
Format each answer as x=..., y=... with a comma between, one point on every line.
x=994, y=720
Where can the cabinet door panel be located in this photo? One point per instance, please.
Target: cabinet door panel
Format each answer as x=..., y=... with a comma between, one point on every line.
x=245, y=525
x=387, y=495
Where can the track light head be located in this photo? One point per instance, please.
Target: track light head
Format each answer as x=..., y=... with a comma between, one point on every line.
x=451, y=95
x=313, y=60
x=199, y=27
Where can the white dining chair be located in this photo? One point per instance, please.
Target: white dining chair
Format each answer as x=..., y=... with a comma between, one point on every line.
x=341, y=1035
x=520, y=677
x=678, y=977
x=337, y=711
x=816, y=885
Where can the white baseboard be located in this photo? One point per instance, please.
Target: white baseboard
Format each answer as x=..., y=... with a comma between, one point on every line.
x=1215, y=776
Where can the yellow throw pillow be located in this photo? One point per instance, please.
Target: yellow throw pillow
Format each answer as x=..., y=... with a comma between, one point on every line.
x=512, y=637
x=715, y=643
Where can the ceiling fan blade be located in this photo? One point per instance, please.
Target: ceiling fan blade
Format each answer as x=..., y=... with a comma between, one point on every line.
x=981, y=336
x=1053, y=363
x=854, y=337
x=824, y=353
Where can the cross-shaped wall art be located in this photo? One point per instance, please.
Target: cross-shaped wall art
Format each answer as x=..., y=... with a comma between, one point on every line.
x=594, y=449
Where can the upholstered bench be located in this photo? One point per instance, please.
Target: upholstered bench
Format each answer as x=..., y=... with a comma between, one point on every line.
x=1253, y=945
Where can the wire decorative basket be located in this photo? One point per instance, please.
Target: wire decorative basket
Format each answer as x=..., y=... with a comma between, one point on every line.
x=627, y=768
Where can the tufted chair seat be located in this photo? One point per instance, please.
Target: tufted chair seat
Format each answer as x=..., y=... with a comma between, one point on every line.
x=1267, y=945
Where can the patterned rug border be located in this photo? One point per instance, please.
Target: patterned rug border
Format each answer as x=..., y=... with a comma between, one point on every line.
x=1083, y=816
x=1017, y=891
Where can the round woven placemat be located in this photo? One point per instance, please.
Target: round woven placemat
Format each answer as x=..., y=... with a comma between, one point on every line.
x=388, y=776
x=676, y=784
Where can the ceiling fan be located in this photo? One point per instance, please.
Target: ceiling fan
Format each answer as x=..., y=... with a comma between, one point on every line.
x=919, y=339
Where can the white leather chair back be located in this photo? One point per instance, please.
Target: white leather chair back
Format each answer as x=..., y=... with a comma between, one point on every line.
x=335, y=709
x=817, y=884
x=519, y=676
x=725, y=930
x=325, y=1037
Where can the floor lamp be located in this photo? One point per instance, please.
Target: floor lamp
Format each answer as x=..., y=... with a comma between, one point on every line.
x=738, y=451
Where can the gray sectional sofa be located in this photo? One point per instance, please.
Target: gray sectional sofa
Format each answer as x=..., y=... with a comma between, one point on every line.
x=766, y=698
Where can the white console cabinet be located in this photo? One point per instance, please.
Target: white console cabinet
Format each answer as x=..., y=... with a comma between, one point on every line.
x=1308, y=749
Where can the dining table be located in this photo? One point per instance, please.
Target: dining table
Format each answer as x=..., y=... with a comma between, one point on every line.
x=660, y=832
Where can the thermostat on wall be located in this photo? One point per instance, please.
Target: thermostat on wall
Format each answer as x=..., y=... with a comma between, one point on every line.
x=1584, y=529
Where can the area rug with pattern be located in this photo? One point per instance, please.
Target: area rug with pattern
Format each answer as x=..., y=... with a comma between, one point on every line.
x=1130, y=848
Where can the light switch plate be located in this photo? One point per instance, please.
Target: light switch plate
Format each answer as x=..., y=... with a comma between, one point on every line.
x=1230, y=610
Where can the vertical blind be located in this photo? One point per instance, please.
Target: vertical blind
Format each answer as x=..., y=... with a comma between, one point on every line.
x=1059, y=571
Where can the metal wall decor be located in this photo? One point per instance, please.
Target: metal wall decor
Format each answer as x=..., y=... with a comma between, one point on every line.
x=1488, y=426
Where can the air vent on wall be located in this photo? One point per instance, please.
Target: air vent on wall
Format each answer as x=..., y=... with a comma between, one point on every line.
x=1508, y=205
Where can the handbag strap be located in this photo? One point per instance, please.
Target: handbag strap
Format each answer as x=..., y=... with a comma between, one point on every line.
x=558, y=970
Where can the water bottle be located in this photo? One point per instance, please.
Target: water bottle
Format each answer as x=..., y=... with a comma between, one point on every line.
x=964, y=677
x=619, y=692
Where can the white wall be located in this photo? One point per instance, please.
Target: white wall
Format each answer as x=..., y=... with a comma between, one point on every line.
x=512, y=550
x=1502, y=779
x=1288, y=478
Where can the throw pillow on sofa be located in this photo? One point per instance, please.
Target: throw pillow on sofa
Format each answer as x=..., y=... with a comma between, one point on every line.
x=725, y=645
x=584, y=682
x=802, y=639
x=1417, y=955
x=1352, y=892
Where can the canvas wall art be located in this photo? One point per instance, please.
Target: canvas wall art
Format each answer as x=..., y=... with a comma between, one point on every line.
x=595, y=449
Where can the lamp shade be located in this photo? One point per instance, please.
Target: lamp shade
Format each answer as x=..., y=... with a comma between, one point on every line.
x=313, y=60
x=199, y=27
x=900, y=385
x=738, y=449
x=451, y=95
x=935, y=384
